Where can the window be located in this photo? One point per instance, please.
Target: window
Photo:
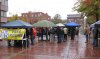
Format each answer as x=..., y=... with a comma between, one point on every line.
x=35, y=15
x=26, y=15
x=32, y=15
x=3, y=14
x=22, y=15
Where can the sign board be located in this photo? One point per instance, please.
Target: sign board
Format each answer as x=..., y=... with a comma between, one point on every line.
x=12, y=34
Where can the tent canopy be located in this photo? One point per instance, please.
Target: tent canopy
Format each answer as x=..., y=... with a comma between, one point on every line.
x=96, y=23
x=17, y=24
x=92, y=25
x=44, y=23
x=72, y=24
x=60, y=24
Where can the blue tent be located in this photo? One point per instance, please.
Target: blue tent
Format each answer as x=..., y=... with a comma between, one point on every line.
x=17, y=24
x=72, y=24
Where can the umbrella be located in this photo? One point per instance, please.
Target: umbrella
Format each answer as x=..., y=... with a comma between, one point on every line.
x=72, y=24
x=44, y=23
x=17, y=24
x=60, y=24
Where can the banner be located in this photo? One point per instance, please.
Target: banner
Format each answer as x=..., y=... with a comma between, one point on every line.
x=12, y=34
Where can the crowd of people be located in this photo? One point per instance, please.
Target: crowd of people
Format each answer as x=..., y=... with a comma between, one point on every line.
x=60, y=32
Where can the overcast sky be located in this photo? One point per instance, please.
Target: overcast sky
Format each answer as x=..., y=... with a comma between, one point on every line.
x=52, y=7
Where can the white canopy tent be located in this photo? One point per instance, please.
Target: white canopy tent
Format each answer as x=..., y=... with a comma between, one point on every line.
x=60, y=24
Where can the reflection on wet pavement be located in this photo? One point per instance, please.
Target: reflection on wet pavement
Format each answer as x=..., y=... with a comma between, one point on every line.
x=72, y=49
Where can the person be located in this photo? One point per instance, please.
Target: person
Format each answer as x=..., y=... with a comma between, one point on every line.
x=77, y=31
x=65, y=33
x=32, y=36
x=52, y=35
x=49, y=32
x=42, y=33
x=72, y=33
x=38, y=33
x=86, y=33
x=59, y=33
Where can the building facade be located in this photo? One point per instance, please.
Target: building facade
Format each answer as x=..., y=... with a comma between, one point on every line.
x=3, y=10
x=75, y=18
x=33, y=17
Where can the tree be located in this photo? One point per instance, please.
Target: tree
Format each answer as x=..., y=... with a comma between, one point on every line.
x=57, y=19
x=90, y=20
x=89, y=8
x=14, y=17
x=57, y=16
x=24, y=19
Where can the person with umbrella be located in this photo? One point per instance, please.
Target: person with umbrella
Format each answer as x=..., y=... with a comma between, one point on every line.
x=60, y=33
x=65, y=33
x=52, y=35
x=72, y=31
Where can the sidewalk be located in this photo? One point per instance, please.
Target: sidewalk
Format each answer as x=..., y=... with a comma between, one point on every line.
x=72, y=49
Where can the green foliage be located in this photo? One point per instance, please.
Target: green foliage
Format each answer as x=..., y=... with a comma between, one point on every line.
x=24, y=19
x=14, y=17
x=57, y=19
x=90, y=20
x=88, y=9
x=57, y=16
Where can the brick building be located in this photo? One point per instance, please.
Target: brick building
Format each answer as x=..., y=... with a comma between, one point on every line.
x=75, y=18
x=33, y=17
x=3, y=11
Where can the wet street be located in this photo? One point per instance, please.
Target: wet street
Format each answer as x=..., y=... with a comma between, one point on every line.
x=72, y=49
